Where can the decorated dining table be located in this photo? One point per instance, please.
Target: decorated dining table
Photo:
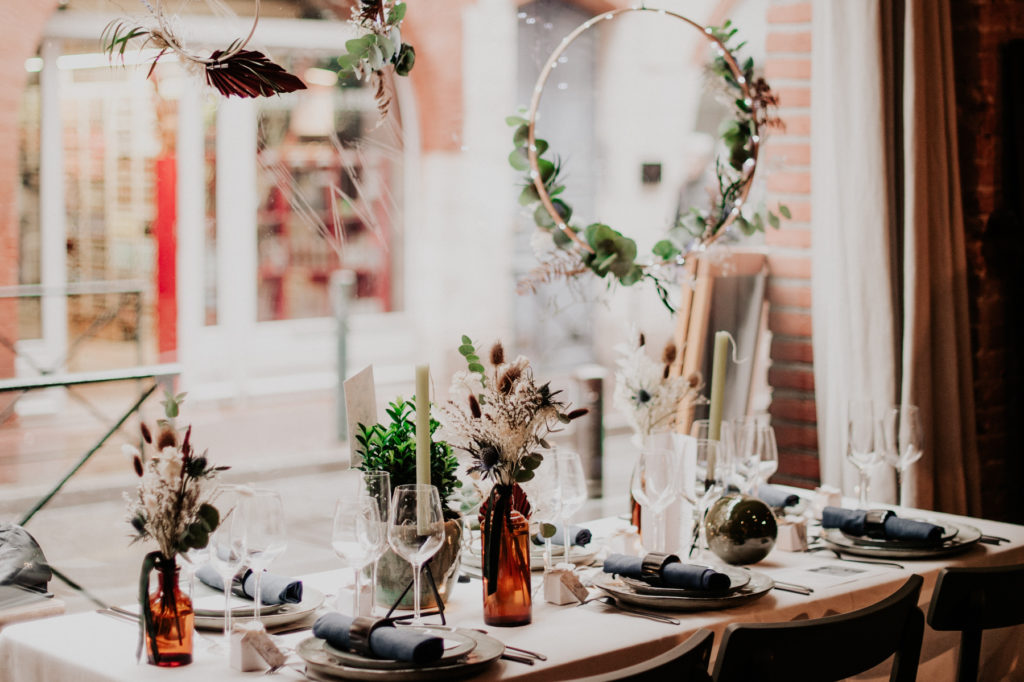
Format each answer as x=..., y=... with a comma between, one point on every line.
x=574, y=639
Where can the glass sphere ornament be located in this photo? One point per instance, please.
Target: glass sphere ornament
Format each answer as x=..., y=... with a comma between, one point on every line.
x=740, y=529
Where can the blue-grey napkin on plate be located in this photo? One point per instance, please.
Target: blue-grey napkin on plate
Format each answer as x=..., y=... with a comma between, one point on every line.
x=776, y=497
x=853, y=522
x=397, y=644
x=676, y=574
x=578, y=534
x=274, y=589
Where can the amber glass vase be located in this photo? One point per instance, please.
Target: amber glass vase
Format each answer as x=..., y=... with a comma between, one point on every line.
x=505, y=556
x=170, y=645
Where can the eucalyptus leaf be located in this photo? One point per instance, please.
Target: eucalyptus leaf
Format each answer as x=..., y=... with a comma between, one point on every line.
x=784, y=210
x=521, y=136
x=773, y=220
x=516, y=121
x=517, y=159
x=528, y=195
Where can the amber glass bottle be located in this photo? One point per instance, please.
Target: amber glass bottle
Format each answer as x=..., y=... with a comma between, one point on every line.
x=510, y=603
x=173, y=619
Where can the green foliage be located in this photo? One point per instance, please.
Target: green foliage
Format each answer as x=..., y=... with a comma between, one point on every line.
x=172, y=403
x=392, y=448
x=380, y=46
x=469, y=352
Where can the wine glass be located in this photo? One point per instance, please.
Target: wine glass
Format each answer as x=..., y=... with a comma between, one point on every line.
x=901, y=440
x=655, y=485
x=709, y=483
x=757, y=444
x=572, y=490
x=746, y=458
x=228, y=545
x=355, y=537
x=193, y=559
x=860, y=447
x=416, y=530
x=545, y=503
x=377, y=487
x=266, y=537
x=726, y=450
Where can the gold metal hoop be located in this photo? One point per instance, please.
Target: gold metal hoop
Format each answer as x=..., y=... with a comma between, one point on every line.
x=538, y=90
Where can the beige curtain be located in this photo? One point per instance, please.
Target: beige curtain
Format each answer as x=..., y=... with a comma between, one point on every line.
x=890, y=293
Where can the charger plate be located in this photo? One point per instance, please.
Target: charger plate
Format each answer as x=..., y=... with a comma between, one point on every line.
x=462, y=644
x=738, y=579
x=964, y=538
x=758, y=586
x=948, y=533
x=282, y=615
x=322, y=665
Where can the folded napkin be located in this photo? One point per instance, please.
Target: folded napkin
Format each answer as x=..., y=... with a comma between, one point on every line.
x=579, y=535
x=776, y=497
x=854, y=522
x=274, y=589
x=676, y=574
x=398, y=644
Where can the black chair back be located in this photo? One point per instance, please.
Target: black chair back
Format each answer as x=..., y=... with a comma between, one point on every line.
x=830, y=648
x=686, y=662
x=976, y=599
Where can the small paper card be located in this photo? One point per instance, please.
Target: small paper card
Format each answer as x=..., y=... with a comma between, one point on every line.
x=360, y=408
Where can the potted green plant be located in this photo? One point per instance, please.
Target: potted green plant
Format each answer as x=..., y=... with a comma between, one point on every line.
x=391, y=447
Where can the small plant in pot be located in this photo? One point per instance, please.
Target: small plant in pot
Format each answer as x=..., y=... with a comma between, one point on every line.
x=391, y=447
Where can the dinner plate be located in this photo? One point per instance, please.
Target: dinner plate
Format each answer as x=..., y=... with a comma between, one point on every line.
x=758, y=586
x=461, y=644
x=738, y=579
x=322, y=665
x=242, y=608
x=287, y=613
x=948, y=533
x=965, y=538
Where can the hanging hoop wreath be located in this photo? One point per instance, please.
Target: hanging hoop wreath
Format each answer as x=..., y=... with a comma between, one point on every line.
x=232, y=71
x=609, y=254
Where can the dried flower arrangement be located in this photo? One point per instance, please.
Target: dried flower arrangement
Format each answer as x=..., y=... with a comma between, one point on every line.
x=598, y=248
x=502, y=424
x=379, y=47
x=232, y=71
x=645, y=391
x=173, y=501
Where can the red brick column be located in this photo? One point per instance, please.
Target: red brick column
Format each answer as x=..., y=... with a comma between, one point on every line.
x=786, y=168
x=21, y=25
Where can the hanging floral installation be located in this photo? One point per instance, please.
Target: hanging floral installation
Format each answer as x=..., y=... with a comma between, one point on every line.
x=233, y=71
x=379, y=49
x=575, y=250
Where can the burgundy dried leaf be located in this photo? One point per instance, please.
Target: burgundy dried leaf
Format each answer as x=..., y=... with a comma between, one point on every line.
x=186, y=447
x=371, y=10
x=250, y=74
x=577, y=413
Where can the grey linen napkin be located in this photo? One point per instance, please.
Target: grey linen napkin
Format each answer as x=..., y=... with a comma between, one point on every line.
x=676, y=574
x=580, y=536
x=274, y=589
x=776, y=497
x=854, y=522
x=398, y=644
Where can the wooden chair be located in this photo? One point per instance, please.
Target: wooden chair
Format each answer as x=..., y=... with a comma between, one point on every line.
x=830, y=648
x=686, y=662
x=976, y=599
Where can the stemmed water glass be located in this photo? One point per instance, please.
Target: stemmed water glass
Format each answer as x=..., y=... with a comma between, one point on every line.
x=726, y=450
x=860, y=447
x=655, y=485
x=194, y=558
x=266, y=537
x=228, y=545
x=758, y=451
x=545, y=503
x=416, y=531
x=709, y=482
x=377, y=487
x=746, y=458
x=572, y=490
x=901, y=440
x=355, y=537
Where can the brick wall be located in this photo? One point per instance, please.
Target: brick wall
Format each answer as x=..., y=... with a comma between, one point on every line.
x=786, y=167
x=980, y=28
x=21, y=24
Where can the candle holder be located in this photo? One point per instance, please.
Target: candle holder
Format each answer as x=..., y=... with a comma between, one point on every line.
x=433, y=588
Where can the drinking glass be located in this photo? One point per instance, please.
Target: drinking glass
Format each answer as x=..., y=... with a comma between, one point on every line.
x=228, y=546
x=746, y=458
x=655, y=485
x=266, y=537
x=726, y=450
x=758, y=451
x=416, y=530
x=860, y=449
x=708, y=484
x=901, y=440
x=545, y=502
x=377, y=487
x=355, y=537
x=193, y=559
x=572, y=490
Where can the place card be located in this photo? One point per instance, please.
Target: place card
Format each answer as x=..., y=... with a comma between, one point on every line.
x=360, y=408
x=562, y=586
x=252, y=649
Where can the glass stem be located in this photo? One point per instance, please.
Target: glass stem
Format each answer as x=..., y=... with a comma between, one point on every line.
x=416, y=594
x=863, y=488
x=547, y=553
x=359, y=592
x=373, y=586
x=899, y=486
x=259, y=595
x=227, y=607
x=565, y=539
x=659, y=521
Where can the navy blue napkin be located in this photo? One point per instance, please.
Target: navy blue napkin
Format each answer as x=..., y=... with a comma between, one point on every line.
x=274, y=589
x=677, y=574
x=776, y=497
x=580, y=536
x=397, y=644
x=853, y=522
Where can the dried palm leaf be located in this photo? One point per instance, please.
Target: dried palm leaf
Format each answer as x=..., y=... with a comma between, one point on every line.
x=249, y=74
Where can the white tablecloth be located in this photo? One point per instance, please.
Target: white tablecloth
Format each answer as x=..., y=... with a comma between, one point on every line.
x=578, y=640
